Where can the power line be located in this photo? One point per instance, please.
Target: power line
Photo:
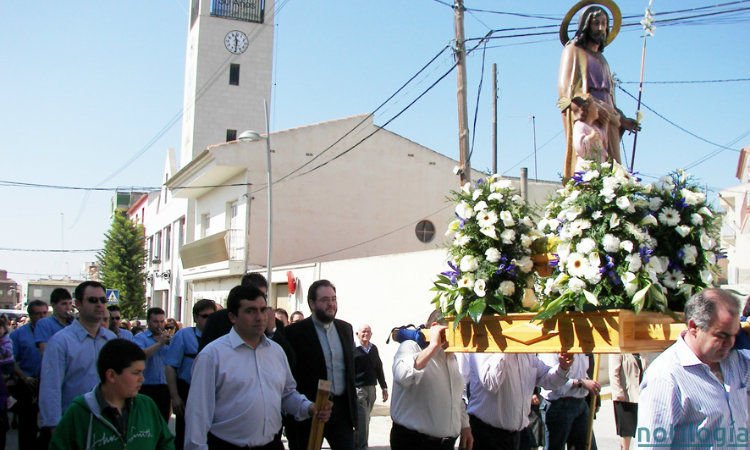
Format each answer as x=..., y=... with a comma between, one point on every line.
x=675, y=125
x=726, y=80
x=48, y=250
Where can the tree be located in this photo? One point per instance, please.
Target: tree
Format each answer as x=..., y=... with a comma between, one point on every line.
x=122, y=264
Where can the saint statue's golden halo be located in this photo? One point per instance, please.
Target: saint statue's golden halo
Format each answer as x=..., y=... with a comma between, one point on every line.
x=614, y=11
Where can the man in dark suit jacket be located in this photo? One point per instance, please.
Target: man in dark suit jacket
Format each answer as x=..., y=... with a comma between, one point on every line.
x=324, y=348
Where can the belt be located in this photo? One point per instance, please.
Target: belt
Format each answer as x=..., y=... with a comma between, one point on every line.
x=423, y=436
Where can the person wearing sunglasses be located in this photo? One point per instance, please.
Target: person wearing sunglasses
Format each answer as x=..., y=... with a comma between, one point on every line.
x=179, y=361
x=115, y=320
x=69, y=359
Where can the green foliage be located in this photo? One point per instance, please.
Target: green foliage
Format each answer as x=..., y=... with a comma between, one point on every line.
x=122, y=264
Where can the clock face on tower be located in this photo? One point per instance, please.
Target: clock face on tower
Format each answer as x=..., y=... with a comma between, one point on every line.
x=236, y=42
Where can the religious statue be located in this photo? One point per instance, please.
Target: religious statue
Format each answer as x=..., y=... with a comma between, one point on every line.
x=584, y=74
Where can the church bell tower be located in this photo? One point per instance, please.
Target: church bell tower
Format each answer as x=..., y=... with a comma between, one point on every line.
x=227, y=71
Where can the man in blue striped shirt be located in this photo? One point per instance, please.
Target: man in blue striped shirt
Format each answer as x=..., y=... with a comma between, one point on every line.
x=694, y=395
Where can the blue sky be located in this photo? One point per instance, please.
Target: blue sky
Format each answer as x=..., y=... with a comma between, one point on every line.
x=86, y=88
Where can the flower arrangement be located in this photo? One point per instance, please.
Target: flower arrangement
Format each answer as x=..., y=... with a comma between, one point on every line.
x=490, y=254
x=605, y=248
x=686, y=234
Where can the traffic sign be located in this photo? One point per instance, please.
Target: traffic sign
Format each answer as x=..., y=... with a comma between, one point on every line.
x=113, y=296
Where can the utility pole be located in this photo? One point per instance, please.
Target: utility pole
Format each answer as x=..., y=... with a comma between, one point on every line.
x=533, y=129
x=463, y=119
x=494, y=118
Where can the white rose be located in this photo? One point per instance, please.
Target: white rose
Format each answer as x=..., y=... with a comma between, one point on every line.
x=476, y=194
x=692, y=198
x=707, y=277
x=461, y=240
x=493, y=255
x=590, y=175
x=611, y=243
x=527, y=221
x=683, y=230
x=706, y=212
x=500, y=184
x=495, y=196
x=469, y=263
x=464, y=210
x=508, y=236
x=696, y=219
x=587, y=245
x=507, y=218
x=592, y=275
x=576, y=285
x=526, y=241
x=597, y=215
x=655, y=203
x=634, y=262
x=624, y=204
x=507, y=288
x=627, y=246
x=480, y=206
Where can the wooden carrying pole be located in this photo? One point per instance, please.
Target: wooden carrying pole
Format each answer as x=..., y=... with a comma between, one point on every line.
x=315, y=440
x=592, y=405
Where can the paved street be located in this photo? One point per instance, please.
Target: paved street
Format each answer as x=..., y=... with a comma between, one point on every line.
x=380, y=428
x=604, y=429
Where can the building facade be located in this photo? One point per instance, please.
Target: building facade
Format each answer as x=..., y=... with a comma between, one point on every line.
x=735, y=232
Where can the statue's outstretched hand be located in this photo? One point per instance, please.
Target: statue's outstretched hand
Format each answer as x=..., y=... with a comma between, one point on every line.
x=627, y=124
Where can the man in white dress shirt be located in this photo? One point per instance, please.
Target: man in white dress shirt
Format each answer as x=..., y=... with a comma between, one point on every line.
x=694, y=395
x=240, y=384
x=500, y=389
x=565, y=411
x=427, y=409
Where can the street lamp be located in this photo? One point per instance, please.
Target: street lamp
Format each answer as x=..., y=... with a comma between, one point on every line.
x=250, y=136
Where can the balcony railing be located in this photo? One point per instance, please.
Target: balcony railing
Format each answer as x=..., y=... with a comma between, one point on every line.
x=247, y=10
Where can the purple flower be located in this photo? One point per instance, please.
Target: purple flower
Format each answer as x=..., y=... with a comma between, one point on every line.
x=645, y=254
x=578, y=178
x=452, y=274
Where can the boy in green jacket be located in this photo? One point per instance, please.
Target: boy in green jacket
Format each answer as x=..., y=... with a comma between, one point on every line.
x=114, y=415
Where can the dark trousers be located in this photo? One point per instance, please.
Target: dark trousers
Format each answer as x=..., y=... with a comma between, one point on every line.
x=566, y=421
x=159, y=393
x=403, y=438
x=215, y=443
x=338, y=431
x=183, y=388
x=487, y=437
x=26, y=409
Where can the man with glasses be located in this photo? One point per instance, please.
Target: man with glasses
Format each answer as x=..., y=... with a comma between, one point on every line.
x=179, y=362
x=324, y=347
x=69, y=360
x=115, y=320
x=154, y=342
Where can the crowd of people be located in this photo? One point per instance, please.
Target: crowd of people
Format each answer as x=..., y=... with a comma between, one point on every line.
x=245, y=375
